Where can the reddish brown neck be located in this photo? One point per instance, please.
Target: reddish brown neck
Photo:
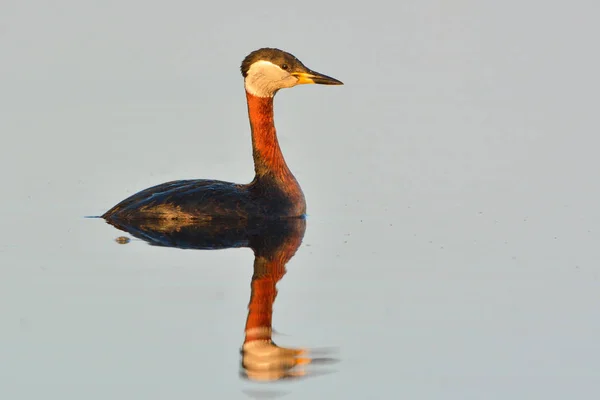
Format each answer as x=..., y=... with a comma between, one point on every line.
x=268, y=159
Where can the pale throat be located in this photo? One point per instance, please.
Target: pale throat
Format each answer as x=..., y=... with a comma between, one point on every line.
x=264, y=79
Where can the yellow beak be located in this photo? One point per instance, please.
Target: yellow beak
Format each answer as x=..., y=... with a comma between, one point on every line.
x=312, y=77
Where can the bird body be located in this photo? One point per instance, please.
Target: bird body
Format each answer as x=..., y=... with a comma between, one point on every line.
x=273, y=194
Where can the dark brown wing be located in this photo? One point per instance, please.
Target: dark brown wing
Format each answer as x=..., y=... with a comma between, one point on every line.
x=188, y=200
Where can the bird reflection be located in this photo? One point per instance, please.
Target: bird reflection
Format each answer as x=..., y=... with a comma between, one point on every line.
x=274, y=243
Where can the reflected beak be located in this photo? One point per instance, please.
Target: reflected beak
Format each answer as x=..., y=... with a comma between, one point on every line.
x=312, y=77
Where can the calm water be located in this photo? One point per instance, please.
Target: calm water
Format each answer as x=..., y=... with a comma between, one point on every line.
x=452, y=247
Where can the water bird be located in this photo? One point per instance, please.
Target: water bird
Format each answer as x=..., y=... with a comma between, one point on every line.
x=274, y=193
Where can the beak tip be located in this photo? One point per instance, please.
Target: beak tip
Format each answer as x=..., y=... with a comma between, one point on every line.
x=330, y=81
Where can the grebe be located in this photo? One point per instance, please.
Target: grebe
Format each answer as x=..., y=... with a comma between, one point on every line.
x=274, y=192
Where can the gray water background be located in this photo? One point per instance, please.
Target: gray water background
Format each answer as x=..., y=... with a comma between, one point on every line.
x=452, y=248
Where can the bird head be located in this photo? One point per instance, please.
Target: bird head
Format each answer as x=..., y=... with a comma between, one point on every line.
x=267, y=70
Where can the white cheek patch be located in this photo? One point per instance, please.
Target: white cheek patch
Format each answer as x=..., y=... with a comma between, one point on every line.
x=264, y=79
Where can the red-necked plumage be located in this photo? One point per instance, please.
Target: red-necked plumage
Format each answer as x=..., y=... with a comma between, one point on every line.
x=273, y=193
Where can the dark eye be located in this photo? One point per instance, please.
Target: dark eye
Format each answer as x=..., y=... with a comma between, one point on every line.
x=284, y=66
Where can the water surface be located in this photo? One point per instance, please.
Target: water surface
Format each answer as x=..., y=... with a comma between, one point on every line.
x=452, y=243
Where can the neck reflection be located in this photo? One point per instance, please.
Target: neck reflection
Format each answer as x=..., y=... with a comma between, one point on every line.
x=274, y=243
